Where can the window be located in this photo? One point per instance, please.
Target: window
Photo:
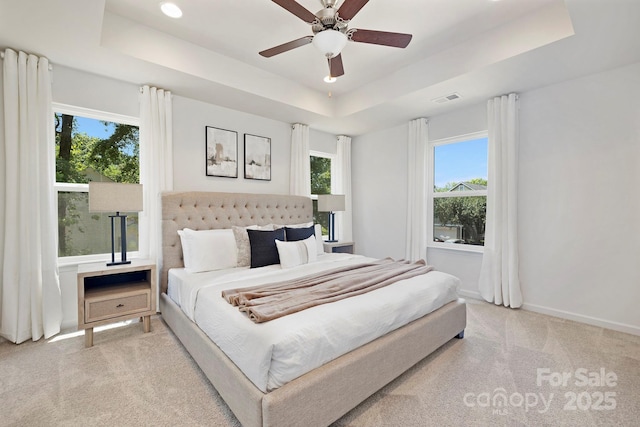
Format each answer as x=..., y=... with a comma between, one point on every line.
x=321, y=176
x=458, y=192
x=92, y=146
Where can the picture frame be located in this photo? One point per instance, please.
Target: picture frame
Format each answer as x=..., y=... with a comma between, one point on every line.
x=221, y=152
x=257, y=157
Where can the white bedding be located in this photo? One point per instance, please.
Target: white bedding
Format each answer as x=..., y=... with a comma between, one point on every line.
x=273, y=353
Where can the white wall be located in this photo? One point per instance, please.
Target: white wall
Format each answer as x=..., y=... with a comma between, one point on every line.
x=189, y=120
x=579, y=176
x=190, y=117
x=579, y=170
x=81, y=89
x=87, y=90
x=380, y=193
x=463, y=264
x=379, y=188
x=322, y=142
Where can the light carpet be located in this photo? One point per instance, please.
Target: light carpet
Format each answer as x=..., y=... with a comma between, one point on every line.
x=513, y=368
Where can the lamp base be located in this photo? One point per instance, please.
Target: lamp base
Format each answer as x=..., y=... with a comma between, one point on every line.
x=118, y=263
x=331, y=241
x=123, y=240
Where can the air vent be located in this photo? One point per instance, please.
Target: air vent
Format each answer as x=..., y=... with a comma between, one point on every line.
x=451, y=97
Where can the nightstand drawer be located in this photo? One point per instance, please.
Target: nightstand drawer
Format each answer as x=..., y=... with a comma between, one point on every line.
x=339, y=247
x=100, y=309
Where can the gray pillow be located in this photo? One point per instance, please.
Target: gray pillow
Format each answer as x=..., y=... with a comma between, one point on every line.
x=242, y=242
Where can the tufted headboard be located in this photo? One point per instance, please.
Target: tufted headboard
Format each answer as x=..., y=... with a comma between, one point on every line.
x=206, y=210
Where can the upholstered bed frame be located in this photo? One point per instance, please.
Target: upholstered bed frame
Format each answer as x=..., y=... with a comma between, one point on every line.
x=323, y=395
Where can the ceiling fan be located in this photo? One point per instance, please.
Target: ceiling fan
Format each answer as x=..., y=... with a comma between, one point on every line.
x=331, y=31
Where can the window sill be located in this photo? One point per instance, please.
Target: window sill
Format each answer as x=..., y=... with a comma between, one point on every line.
x=457, y=247
x=74, y=261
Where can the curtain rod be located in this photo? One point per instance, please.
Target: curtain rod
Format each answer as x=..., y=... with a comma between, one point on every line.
x=50, y=65
x=141, y=90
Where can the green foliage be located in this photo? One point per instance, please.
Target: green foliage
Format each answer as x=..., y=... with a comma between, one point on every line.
x=116, y=157
x=81, y=158
x=320, y=175
x=478, y=181
x=468, y=212
x=320, y=184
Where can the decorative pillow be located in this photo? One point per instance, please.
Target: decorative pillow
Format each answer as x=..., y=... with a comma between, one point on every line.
x=319, y=239
x=208, y=250
x=263, y=247
x=297, y=253
x=294, y=234
x=242, y=242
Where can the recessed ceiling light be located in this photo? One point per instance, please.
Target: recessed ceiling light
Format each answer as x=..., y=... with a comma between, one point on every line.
x=171, y=9
x=330, y=79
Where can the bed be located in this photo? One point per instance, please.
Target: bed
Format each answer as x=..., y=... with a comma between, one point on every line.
x=327, y=392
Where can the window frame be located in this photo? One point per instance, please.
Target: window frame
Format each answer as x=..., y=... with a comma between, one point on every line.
x=432, y=195
x=332, y=157
x=84, y=188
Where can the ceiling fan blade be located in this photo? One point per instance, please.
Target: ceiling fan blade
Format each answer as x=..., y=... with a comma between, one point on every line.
x=350, y=7
x=381, y=37
x=295, y=8
x=286, y=46
x=335, y=66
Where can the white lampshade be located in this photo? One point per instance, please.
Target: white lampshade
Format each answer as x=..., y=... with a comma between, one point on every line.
x=114, y=197
x=330, y=42
x=330, y=202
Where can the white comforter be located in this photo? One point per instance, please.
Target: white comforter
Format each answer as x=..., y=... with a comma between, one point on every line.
x=273, y=353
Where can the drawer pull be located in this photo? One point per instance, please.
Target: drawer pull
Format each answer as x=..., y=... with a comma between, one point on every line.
x=119, y=305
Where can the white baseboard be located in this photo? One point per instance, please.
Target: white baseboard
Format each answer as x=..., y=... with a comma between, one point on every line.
x=470, y=294
x=589, y=320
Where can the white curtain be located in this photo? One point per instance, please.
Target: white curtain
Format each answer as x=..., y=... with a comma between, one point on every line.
x=156, y=166
x=30, y=296
x=499, y=282
x=300, y=175
x=344, y=220
x=417, y=211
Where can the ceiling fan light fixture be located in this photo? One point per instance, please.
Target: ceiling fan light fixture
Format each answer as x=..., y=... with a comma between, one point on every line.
x=330, y=79
x=171, y=9
x=330, y=42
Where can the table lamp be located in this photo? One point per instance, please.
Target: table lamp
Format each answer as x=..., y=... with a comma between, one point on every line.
x=331, y=203
x=116, y=197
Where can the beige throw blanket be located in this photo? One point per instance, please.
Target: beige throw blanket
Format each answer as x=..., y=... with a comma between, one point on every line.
x=267, y=302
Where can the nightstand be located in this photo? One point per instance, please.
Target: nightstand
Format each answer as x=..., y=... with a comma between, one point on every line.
x=340, y=247
x=115, y=293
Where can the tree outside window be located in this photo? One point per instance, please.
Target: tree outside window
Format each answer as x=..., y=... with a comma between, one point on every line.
x=90, y=149
x=320, y=184
x=459, y=196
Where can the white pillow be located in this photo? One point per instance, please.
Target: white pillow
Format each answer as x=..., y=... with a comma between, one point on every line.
x=208, y=250
x=297, y=253
x=319, y=240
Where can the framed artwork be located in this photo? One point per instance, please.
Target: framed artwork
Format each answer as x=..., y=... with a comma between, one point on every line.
x=222, y=152
x=257, y=157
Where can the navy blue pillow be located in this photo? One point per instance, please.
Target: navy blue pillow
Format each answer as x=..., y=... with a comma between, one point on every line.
x=263, y=247
x=295, y=234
